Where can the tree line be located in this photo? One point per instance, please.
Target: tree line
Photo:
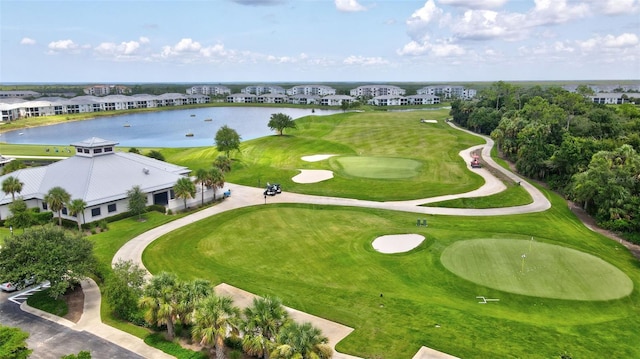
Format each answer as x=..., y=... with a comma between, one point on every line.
x=586, y=151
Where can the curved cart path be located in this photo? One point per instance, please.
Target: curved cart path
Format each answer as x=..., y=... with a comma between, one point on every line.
x=243, y=196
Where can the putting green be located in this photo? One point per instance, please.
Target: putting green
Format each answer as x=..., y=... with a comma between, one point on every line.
x=536, y=269
x=379, y=167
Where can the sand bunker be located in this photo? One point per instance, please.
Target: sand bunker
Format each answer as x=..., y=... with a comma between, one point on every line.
x=315, y=158
x=429, y=121
x=312, y=176
x=397, y=243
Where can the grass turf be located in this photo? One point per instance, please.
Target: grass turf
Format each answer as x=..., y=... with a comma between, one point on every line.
x=378, y=167
x=319, y=259
x=398, y=137
x=537, y=269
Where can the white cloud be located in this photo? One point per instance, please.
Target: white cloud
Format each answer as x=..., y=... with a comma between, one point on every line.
x=186, y=45
x=474, y=4
x=349, y=6
x=125, y=49
x=616, y=7
x=183, y=47
x=625, y=40
x=547, y=12
x=64, y=46
x=143, y=40
x=27, y=41
x=365, y=61
x=425, y=14
x=438, y=48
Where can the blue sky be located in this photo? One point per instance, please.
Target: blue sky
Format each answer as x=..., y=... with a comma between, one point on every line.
x=318, y=41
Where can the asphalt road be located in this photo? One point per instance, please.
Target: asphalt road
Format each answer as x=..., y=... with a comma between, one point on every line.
x=50, y=340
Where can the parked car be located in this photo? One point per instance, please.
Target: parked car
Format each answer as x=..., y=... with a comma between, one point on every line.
x=10, y=287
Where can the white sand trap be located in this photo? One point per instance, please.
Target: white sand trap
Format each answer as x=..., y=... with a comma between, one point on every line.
x=397, y=243
x=312, y=176
x=429, y=121
x=316, y=158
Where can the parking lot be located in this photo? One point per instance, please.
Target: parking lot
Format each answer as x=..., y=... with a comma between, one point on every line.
x=51, y=340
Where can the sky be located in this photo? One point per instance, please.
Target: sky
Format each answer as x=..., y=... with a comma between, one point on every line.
x=307, y=41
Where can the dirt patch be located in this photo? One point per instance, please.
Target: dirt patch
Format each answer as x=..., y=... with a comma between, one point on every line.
x=75, y=303
x=591, y=224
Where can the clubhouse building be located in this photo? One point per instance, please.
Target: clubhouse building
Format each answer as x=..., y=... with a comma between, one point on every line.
x=101, y=177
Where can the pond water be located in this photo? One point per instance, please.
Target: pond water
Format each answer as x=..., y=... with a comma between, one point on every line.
x=161, y=128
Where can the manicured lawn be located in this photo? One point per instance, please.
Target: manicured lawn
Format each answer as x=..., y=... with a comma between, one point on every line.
x=43, y=301
x=319, y=259
x=537, y=269
x=422, y=160
x=378, y=167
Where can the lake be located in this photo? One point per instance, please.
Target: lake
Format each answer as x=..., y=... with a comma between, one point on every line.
x=161, y=128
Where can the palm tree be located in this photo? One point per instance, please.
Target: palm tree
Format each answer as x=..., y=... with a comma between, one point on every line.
x=202, y=177
x=161, y=301
x=184, y=189
x=190, y=294
x=223, y=163
x=56, y=198
x=12, y=185
x=76, y=207
x=301, y=341
x=213, y=317
x=216, y=178
x=263, y=320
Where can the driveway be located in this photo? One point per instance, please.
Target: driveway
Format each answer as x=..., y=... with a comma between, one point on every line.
x=51, y=340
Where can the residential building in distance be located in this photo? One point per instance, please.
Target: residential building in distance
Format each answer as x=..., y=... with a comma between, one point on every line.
x=104, y=90
x=19, y=94
x=210, y=90
x=89, y=175
x=15, y=108
x=259, y=90
x=613, y=98
x=272, y=98
x=241, y=98
x=392, y=100
x=448, y=91
x=316, y=90
x=376, y=90
x=336, y=100
x=304, y=99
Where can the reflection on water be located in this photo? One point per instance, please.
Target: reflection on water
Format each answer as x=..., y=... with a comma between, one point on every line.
x=161, y=128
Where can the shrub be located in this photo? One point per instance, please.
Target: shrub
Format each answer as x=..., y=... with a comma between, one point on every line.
x=157, y=340
x=234, y=343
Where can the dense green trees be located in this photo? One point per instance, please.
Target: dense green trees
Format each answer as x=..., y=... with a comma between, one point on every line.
x=265, y=326
x=13, y=343
x=47, y=253
x=123, y=289
x=585, y=150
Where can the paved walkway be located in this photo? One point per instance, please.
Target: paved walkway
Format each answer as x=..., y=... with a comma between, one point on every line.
x=243, y=196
